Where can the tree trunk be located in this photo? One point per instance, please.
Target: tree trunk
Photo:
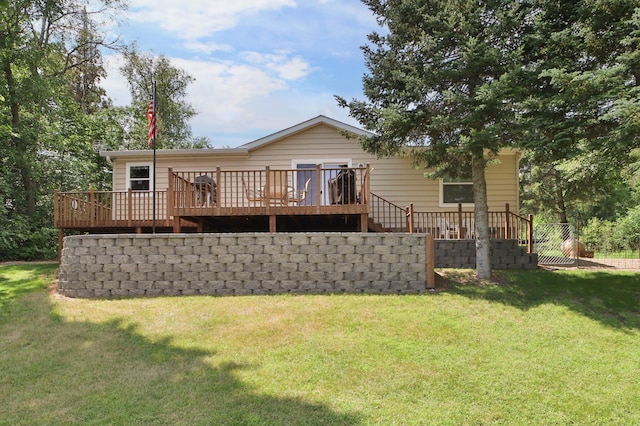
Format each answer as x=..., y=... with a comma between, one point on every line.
x=19, y=147
x=483, y=245
x=562, y=209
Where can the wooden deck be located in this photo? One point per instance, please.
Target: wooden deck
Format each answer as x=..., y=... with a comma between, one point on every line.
x=315, y=199
x=197, y=200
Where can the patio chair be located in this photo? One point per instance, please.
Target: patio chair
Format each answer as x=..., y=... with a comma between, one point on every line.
x=252, y=194
x=470, y=228
x=444, y=230
x=279, y=188
x=299, y=195
x=206, y=191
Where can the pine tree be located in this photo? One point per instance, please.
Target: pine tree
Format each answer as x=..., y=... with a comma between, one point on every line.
x=440, y=89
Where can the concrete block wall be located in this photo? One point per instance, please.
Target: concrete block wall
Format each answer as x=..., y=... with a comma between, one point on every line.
x=505, y=254
x=104, y=266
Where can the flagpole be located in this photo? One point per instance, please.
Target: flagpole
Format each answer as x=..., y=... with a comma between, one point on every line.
x=155, y=117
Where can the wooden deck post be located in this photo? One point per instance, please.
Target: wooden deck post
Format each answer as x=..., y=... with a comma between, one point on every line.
x=507, y=230
x=410, y=218
x=430, y=261
x=129, y=206
x=368, y=184
x=170, y=196
x=459, y=221
x=364, y=222
x=219, y=187
x=272, y=223
x=267, y=193
x=530, y=234
x=92, y=207
x=318, y=188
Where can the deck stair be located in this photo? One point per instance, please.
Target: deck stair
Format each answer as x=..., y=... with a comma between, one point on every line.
x=386, y=216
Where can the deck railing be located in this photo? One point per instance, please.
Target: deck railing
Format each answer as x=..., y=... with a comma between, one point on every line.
x=461, y=225
x=304, y=191
x=388, y=217
x=104, y=209
x=231, y=191
x=450, y=225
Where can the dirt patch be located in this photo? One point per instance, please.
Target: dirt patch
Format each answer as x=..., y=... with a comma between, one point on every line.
x=448, y=277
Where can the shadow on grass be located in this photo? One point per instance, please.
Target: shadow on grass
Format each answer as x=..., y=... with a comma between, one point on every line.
x=18, y=279
x=613, y=299
x=67, y=372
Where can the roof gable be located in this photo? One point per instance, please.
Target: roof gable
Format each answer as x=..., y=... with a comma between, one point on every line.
x=301, y=127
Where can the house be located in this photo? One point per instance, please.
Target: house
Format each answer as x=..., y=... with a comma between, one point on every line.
x=308, y=177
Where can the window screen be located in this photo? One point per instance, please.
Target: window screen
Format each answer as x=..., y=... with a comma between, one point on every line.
x=140, y=178
x=457, y=191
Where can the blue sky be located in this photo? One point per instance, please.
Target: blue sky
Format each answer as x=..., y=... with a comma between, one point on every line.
x=260, y=65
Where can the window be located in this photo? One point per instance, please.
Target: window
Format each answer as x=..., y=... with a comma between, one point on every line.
x=456, y=191
x=307, y=170
x=139, y=177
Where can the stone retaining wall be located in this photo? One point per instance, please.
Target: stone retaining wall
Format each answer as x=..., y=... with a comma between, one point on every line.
x=130, y=265
x=505, y=254
x=250, y=263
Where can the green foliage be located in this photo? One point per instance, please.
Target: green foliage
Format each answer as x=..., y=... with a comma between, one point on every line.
x=597, y=234
x=628, y=229
x=51, y=116
x=174, y=112
x=25, y=240
x=579, y=108
x=622, y=234
x=588, y=184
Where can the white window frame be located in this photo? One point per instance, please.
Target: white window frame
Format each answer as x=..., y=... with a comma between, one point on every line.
x=441, y=191
x=294, y=163
x=322, y=163
x=130, y=165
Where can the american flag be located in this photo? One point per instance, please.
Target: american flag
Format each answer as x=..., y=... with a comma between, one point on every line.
x=151, y=116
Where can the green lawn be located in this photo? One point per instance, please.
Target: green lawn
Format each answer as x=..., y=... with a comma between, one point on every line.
x=538, y=348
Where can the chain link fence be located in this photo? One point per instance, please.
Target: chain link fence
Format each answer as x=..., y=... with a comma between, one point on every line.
x=556, y=244
x=560, y=244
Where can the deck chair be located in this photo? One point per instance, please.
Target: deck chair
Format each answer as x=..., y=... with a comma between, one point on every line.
x=469, y=225
x=206, y=191
x=299, y=195
x=279, y=188
x=251, y=194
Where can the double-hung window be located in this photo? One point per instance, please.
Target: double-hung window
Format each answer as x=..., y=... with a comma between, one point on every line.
x=139, y=177
x=456, y=191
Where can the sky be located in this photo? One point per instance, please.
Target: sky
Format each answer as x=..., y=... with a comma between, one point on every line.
x=260, y=66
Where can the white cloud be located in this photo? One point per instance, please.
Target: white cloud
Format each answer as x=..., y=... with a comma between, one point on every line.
x=207, y=48
x=236, y=98
x=238, y=103
x=286, y=67
x=198, y=18
x=115, y=84
x=241, y=95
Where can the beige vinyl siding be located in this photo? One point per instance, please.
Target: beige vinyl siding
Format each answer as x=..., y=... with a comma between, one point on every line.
x=393, y=179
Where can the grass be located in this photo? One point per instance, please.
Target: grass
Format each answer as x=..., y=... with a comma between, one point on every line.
x=539, y=347
x=619, y=254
